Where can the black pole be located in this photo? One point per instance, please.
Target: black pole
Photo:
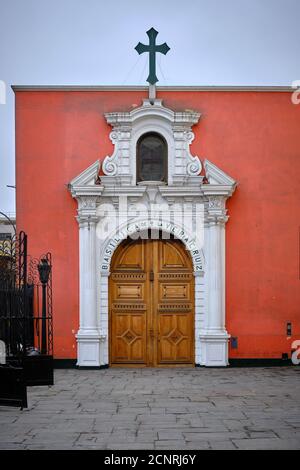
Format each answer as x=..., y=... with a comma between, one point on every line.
x=44, y=328
x=44, y=271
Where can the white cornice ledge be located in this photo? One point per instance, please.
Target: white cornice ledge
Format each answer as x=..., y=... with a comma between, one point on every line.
x=181, y=191
x=130, y=191
x=79, y=191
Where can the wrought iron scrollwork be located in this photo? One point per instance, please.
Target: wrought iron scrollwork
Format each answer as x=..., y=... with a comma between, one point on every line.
x=23, y=321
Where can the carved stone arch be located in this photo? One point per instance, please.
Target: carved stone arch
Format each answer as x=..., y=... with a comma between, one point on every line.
x=115, y=238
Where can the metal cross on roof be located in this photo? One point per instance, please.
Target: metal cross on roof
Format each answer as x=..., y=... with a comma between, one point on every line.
x=152, y=48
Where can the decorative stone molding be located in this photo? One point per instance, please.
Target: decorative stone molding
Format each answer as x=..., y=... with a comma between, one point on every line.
x=84, y=183
x=88, y=202
x=175, y=127
x=217, y=176
x=216, y=202
x=185, y=191
x=216, y=211
x=219, y=182
x=102, y=336
x=194, y=166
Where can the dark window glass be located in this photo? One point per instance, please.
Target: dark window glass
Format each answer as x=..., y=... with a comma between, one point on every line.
x=151, y=158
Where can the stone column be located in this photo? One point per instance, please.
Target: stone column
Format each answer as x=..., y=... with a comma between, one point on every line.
x=215, y=318
x=88, y=337
x=214, y=339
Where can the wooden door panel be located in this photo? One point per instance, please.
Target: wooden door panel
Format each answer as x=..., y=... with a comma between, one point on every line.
x=129, y=336
x=175, y=306
x=175, y=338
x=128, y=305
x=151, y=304
x=171, y=256
x=129, y=291
x=131, y=257
x=170, y=291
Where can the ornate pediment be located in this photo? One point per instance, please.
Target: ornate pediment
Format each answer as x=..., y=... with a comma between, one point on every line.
x=217, y=176
x=184, y=180
x=85, y=183
x=175, y=127
x=219, y=182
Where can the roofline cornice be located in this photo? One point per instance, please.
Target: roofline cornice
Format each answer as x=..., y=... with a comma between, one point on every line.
x=18, y=88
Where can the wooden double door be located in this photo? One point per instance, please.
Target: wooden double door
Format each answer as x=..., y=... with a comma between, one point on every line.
x=151, y=304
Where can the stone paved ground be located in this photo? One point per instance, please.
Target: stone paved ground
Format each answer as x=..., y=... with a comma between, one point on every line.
x=239, y=408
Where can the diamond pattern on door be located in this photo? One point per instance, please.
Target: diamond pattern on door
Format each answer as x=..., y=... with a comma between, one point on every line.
x=175, y=336
x=129, y=336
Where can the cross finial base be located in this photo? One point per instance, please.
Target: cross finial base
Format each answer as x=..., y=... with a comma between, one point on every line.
x=152, y=93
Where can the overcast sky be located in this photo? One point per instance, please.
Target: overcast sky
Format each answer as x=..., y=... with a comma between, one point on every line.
x=91, y=42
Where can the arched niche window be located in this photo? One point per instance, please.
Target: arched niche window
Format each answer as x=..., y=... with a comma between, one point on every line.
x=151, y=157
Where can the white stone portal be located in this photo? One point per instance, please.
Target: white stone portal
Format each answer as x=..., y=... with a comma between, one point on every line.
x=188, y=206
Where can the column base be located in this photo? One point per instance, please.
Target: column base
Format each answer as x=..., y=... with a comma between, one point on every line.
x=214, y=349
x=88, y=348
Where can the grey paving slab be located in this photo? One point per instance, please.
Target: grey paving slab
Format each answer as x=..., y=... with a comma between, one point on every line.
x=222, y=445
x=270, y=444
x=247, y=408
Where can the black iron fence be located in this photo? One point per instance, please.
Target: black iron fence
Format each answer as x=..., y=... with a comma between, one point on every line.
x=26, y=330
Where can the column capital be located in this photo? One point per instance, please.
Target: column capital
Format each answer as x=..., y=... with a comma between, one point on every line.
x=216, y=210
x=86, y=220
x=217, y=219
x=87, y=207
x=216, y=202
x=88, y=202
x=216, y=206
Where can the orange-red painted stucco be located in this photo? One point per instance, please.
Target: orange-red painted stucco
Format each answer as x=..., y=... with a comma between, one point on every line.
x=252, y=136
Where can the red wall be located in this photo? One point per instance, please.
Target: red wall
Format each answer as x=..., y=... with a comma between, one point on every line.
x=252, y=136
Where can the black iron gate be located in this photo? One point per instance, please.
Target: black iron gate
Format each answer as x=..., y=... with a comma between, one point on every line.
x=26, y=333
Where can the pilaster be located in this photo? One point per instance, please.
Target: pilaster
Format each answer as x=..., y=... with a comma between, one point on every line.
x=88, y=337
x=214, y=338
